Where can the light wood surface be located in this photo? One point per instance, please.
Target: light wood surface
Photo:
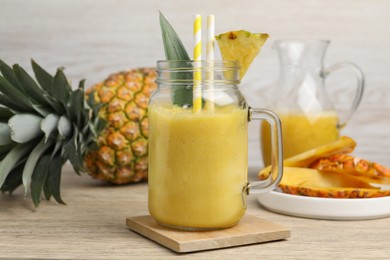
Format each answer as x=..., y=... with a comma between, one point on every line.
x=250, y=230
x=93, y=38
x=93, y=226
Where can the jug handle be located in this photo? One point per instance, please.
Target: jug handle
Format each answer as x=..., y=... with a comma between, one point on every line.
x=359, y=90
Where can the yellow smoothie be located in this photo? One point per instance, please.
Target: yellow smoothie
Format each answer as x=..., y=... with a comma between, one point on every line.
x=301, y=132
x=197, y=166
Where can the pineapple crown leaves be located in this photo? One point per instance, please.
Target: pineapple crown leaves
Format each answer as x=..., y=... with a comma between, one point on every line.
x=175, y=50
x=43, y=124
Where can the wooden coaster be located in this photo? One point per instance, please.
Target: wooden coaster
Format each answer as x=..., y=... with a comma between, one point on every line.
x=250, y=230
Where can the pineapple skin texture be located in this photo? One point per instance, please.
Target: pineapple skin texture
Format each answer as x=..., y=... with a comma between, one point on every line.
x=122, y=152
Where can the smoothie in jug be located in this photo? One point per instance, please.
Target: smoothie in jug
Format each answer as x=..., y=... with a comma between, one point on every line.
x=301, y=132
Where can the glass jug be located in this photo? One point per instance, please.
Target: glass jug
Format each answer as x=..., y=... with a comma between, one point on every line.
x=301, y=101
x=198, y=159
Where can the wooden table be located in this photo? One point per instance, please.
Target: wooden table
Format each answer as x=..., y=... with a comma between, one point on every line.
x=92, y=226
x=93, y=38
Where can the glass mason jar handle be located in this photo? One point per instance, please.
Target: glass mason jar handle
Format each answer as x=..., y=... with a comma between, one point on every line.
x=276, y=173
x=360, y=85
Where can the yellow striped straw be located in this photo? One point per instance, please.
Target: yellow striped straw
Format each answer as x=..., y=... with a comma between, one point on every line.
x=210, y=59
x=197, y=91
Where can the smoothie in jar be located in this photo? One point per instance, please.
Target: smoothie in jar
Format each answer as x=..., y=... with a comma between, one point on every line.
x=301, y=132
x=197, y=166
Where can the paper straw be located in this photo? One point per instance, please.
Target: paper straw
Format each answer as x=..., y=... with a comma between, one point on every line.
x=210, y=59
x=210, y=37
x=197, y=91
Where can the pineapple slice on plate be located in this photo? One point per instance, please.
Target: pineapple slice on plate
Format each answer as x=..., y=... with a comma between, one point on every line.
x=327, y=171
x=344, y=145
x=350, y=165
x=314, y=183
x=241, y=46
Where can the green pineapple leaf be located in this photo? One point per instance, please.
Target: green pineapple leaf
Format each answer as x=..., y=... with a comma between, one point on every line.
x=5, y=149
x=5, y=134
x=13, y=180
x=84, y=116
x=175, y=50
x=7, y=102
x=31, y=162
x=73, y=152
x=49, y=125
x=38, y=178
x=42, y=110
x=15, y=96
x=43, y=77
x=12, y=158
x=9, y=75
x=82, y=84
x=100, y=125
x=31, y=88
x=61, y=88
x=46, y=189
x=58, y=146
x=76, y=105
x=53, y=181
x=64, y=127
x=25, y=127
x=45, y=80
x=173, y=46
x=5, y=114
x=91, y=103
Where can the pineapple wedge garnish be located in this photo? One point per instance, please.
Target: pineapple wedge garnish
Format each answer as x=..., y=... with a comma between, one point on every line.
x=241, y=46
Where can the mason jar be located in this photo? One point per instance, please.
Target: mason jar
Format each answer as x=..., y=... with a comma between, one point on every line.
x=198, y=146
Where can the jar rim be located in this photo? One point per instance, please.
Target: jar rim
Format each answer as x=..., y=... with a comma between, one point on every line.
x=213, y=72
x=208, y=63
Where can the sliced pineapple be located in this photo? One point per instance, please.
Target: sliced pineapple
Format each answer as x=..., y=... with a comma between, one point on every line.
x=314, y=183
x=344, y=145
x=328, y=171
x=241, y=46
x=350, y=165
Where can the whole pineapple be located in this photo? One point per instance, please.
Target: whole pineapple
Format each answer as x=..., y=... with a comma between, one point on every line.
x=44, y=123
x=122, y=153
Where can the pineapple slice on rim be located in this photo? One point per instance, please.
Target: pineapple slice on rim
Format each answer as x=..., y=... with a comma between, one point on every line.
x=241, y=46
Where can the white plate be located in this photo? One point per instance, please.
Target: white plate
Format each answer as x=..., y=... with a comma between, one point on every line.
x=325, y=208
